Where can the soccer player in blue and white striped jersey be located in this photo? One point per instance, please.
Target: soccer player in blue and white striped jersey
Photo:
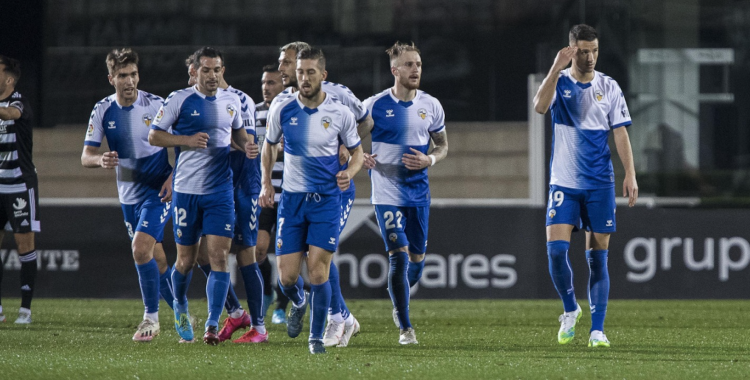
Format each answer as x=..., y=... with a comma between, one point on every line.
x=202, y=121
x=144, y=180
x=586, y=105
x=406, y=119
x=312, y=123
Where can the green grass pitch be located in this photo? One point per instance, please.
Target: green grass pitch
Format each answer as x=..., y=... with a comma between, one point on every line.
x=477, y=339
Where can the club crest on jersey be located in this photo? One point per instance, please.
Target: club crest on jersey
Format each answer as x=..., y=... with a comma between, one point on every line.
x=294, y=121
x=599, y=95
x=422, y=113
x=147, y=119
x=389, y=113
x=552, y=213
x=326, y=121
x=112, y=125
x=566, y=94
x=231, y=110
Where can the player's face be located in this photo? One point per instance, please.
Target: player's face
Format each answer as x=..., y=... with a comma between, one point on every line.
x=309, y=77
x=125, y=80
x=271, y=85
x=287, y=65
x=408, y=70
x=588, y=53
x=192, y=75
x=209, y=73
x=4, y=82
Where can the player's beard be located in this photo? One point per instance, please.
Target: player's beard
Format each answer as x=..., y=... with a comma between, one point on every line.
x=408, y=85
x=314, y=91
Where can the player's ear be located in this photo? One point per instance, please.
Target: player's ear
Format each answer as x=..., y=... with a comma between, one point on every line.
x=111, y=79
x=325, y=74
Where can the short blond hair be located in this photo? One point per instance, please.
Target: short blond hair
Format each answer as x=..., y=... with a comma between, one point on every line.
x=118, y=58
x=297, y=46
x=399, y=48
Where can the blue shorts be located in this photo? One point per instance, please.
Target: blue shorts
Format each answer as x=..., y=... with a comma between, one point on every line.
x=403, y=226
x=207, y=214
x=246, y=213
x=149, y=216
x=307, y=219
x=347, y=201
x=593, y=210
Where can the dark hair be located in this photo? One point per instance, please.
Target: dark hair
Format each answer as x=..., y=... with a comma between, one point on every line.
x=190, y=60
x=400, y=47
x=118, y=58
x=272, y=68
x=207, y=52
x=313, y=53
x=582, y=32
x=12, y=67
x=296, y=46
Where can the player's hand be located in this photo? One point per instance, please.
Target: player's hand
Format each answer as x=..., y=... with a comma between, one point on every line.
x=369, y=161
x=416, y=161
x=252, y=150
x=109, y=160
x=343, y=179
x=630, y=190
x=166, y=190
x=343, y=155
x=266, y=196
x=198, y=140
x=563, y=58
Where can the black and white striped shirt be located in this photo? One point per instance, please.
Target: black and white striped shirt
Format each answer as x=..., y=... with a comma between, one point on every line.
x=16, y=144
x=261, y=113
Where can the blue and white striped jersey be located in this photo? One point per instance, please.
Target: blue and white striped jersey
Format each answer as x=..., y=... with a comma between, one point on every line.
x=187, y=112
x=338, y=91
x=582, y=116
x=399, y=126
x=311, y=142
x=142, y=167
x=245, y=172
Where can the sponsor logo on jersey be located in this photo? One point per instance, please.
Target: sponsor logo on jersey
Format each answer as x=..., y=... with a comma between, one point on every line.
x=326, y=121
x=195, y=113
x=112, y=125
x=147, y=119
x=25, y=223
x=294, y=121
x=422, y=113
x=389, y=113
x=332, y=241
x=20, y=204
x=599, y=95
x=552, y=213
x=392, y=237
x=609, y=223
x=566, y=94
x=231, y=110
x=145, y=224
x=228, y=227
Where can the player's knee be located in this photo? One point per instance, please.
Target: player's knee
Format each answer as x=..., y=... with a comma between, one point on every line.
x=260, y=255
x=557, y=249
x=142, y=253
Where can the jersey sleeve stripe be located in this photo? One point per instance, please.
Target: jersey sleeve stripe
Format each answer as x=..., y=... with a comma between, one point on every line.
x=92, y=143
x=623, y=124
x=367, y=113
x=355, y=145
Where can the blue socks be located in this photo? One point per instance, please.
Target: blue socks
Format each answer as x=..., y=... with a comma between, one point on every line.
x=232, y=303
x=337, y=300
x=148, y=276
x=295, y=293
x=165, y=286
x=562, y=274
x=398, y=286
x=598, y=287
x=253, y=280
x=415, y=272
x=180, y=284
x=216, y=292
x=320, y=299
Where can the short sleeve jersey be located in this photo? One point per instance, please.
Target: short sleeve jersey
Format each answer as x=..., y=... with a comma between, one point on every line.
x=245, y=172
x=399, y=126
x=582, y=116
x=143, y=168
x=187, y=112
x=16, y=145
x=311, y=142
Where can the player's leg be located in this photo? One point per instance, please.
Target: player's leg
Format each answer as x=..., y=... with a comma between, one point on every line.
x=219, y=220
x=291, y=232
x=417, y=222
x=266, y=226
x=187, y=225
x=563, y=212
x=318, y=265
x=24, y=221
x=339, y=316
x=232, y=303
x=600, y=220
x=165, y=274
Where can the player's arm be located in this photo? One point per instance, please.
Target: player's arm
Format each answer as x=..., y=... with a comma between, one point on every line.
x=343, y=178
x=546, y=92
x=90, y=158
x=267, y=158
x=10, y=113
x=157, y=137
x=625, y=151
x=165, y=193
x=418, y=160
